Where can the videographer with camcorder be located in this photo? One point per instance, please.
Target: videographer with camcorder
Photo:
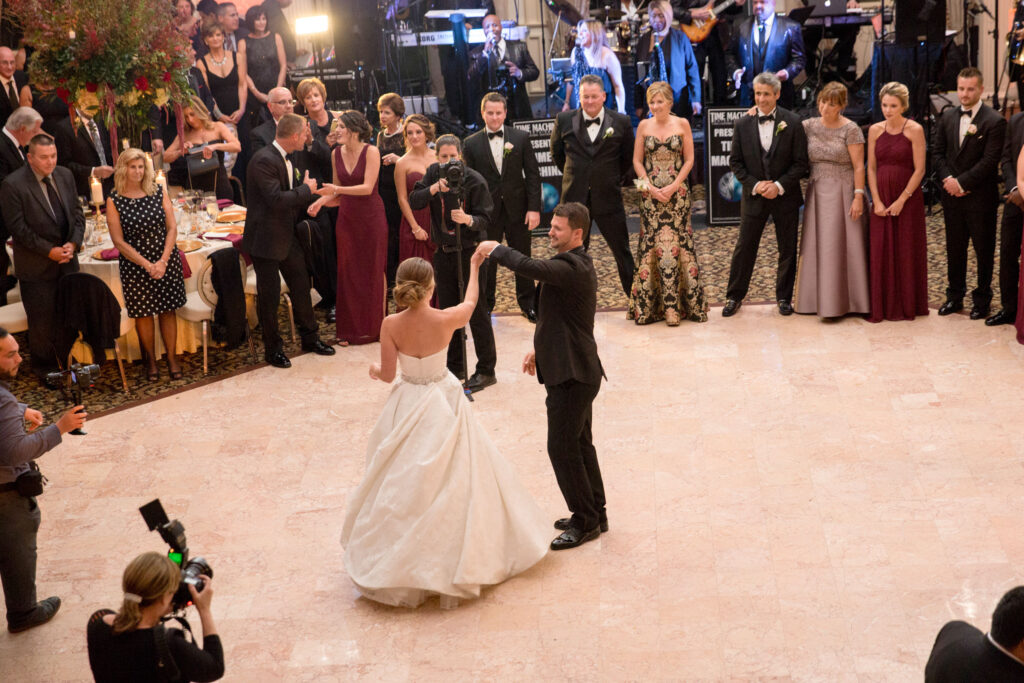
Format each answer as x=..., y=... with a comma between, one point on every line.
x=20, y=483
x=133, y=645
x=459, y=204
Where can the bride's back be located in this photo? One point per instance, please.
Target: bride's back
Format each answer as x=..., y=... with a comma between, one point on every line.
x=421, y=331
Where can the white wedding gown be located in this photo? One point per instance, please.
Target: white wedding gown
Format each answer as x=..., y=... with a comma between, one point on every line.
x=439, y=510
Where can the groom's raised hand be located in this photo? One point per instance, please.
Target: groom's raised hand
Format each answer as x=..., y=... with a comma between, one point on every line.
x=530, y=363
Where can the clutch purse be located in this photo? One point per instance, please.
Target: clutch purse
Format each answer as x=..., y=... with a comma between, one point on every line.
x=198, y=165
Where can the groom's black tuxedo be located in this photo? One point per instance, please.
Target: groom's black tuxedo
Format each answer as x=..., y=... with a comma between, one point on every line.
x=975, y=165
x=592, y=174
x=785, y=162
x=570, y=370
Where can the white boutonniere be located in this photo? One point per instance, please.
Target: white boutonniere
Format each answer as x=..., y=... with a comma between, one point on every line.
x=972, y=129
x=607, y=134
x=508, y=148
x=781, y=127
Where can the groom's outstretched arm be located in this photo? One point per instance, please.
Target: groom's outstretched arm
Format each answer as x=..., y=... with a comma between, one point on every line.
x=553, y=271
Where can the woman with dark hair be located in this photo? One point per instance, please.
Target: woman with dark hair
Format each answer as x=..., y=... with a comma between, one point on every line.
x=265, y=63
x=214, y=137
x=185, y=17
x=226, y=75
x=123, y=645
x=362, y=231
x=391, y=145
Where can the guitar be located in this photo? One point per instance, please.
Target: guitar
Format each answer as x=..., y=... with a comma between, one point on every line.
x=701, y=28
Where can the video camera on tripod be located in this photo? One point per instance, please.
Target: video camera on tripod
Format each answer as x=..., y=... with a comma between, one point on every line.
x=173, y=533
x=70, y=382
x=454, y=173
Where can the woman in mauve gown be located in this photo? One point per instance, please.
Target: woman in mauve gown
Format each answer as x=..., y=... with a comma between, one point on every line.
x=362, y=231
x=896, y=166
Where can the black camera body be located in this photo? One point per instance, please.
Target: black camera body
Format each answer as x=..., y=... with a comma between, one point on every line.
x=71, y=380
x=454, y=173
x=173, y=533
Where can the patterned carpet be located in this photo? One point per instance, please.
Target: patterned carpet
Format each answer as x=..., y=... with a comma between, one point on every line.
x=714, y=251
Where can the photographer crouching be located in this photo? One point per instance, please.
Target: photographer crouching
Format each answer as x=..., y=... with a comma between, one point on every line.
x=20, y=483
x=459, y=206
x=133, y=645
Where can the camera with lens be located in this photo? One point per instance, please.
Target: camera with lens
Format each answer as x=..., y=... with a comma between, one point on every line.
x=454, y=173
x=173, y=533
x=71, y=380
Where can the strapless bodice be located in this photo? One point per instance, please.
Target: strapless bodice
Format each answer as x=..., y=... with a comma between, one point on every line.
x=432, y=368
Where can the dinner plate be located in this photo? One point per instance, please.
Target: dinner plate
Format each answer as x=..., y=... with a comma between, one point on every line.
x=188, y=246
x=232, y=216
x=98, y=256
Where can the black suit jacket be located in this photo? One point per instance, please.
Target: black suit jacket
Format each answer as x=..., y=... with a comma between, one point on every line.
x=27, y=216
x=482, y=73
x=963, y=654
x=273, y=208
x=785, y=50
x=516, y=189
x=76, y=153
x=442, y=229
x=787, y=159
x=975, y=164
x=595, y=169
x=20, y=81
x=262, y=136
x=566, y=304
x=1012, y=144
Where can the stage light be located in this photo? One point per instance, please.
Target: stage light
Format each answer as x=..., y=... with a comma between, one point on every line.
x=310, y=26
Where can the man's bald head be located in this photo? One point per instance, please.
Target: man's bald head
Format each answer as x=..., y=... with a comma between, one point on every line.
x=280, y=101
x=6, y=62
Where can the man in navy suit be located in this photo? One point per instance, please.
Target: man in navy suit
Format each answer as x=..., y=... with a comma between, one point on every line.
x=963, y=654
x=766, y=42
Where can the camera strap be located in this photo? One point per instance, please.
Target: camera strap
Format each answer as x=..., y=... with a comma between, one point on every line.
x=165, y=664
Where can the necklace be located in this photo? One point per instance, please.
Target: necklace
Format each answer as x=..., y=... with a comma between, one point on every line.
x=222, y=61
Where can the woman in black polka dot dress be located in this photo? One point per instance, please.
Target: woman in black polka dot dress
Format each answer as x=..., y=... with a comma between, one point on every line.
x=142, y=227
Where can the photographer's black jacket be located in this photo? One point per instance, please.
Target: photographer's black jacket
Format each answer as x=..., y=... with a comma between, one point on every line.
x=478, y=205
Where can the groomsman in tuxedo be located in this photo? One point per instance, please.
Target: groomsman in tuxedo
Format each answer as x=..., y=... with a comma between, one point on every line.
x=278, y=194
x=768, y=157
x=593, y=147
x=504, y=156
x=503, y=66
x=565, y=360
x=22, y=125
x=85, y=152
x=42, y=213
x=1013, y=221
x=966, y=149
x=766, y=42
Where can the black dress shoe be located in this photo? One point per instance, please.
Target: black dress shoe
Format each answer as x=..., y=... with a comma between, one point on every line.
x=572, y=537
x=785, y=308
x=565, y=523
x=278, y=359
x=478, y=381
x=1002, y=317
x=951, y=307
x=731, y=306
x=40, y=614
x=530, y=315
x=319, y=348
x=979, y=312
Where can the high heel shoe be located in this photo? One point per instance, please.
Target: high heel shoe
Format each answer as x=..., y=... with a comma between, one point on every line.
x=175, y=374
x=672, y=318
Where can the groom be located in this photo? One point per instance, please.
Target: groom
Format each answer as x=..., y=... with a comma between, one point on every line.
x=566, y=363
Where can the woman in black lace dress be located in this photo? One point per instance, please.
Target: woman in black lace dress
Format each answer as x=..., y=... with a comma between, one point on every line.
x=264, y=61
x=142, y=228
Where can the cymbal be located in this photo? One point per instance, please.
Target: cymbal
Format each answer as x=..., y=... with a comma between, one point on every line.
x=566, y=10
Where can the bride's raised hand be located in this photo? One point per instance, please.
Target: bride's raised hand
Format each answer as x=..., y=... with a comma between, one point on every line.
x=374, y=370
x=477, y=258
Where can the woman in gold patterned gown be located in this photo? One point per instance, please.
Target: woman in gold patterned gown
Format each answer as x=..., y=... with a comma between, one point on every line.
x=667, y=283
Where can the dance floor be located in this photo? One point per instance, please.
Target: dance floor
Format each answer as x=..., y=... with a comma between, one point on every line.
x=788, y=500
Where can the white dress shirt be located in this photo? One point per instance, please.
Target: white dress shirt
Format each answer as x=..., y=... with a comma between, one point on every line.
x=497, y=145
x=287, y=164
x=500, y=51
x=965, y=121
x=766, y=132
x=756, y=31
x=594, y=131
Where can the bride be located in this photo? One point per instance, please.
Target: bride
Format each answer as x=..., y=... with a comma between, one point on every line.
x=439, y=510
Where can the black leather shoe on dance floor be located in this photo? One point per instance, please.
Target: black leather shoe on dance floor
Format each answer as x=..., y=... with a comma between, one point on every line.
x=785, y=308
x=319, y=348
x=279, y=360
x=565, y=523
x=478, y=382
x=951, y=307
x=731, y=306
x=1002, y=317
x=572, y=537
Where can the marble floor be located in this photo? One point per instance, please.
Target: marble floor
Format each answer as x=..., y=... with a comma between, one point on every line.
x=789, y=500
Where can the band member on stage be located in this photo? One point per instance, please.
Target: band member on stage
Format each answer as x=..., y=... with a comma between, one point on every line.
x=505, y=67
x=711, y=50
x=593, y=57
x=766, y=42
x=671, y=59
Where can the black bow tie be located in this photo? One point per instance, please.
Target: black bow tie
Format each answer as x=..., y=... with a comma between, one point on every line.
x=498, y=134
x=964, y=112
x=763, y=119
x=591, y=122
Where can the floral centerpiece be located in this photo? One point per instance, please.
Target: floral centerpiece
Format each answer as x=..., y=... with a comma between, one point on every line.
x=119, y=58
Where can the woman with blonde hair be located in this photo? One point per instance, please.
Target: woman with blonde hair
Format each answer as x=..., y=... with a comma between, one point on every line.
x=312, y=95
x=208, y=137
x=414, y=230
x=126, y=645
x=439, y=511
x=833, y=271
x=593, y=56
x=142, y=227
x=899, y=245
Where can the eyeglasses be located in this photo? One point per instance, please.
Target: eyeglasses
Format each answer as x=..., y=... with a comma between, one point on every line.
x=291, y=102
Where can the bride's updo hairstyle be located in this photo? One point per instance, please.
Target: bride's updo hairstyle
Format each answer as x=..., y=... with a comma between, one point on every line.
x=413, y=282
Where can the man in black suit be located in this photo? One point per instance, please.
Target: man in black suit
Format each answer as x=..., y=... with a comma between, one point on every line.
x=1013, y=222
x=711, y=50
x=504, y=156
x=768, y=157
x=468, y=215
x=966, y=148
x=14, y=84
x=279, y=103
x=671, y=60
x=766, y=42
x=227, y=17
x=963, y=654
x=565, y=360
x=21, y=126
x=278, y=194
x=503, y=66
x=86, y=152
x=42, y=213
x=593, y=147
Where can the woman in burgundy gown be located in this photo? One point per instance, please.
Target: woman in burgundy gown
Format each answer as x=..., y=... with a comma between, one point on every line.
x=896, y=166
x=414, y=230
x=362, y=231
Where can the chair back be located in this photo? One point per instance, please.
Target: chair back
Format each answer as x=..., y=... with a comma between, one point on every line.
x=204, y=284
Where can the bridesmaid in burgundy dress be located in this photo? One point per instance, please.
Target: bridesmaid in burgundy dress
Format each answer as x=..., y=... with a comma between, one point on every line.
x=414, y=231
x=896, y=166
x=362, y=231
